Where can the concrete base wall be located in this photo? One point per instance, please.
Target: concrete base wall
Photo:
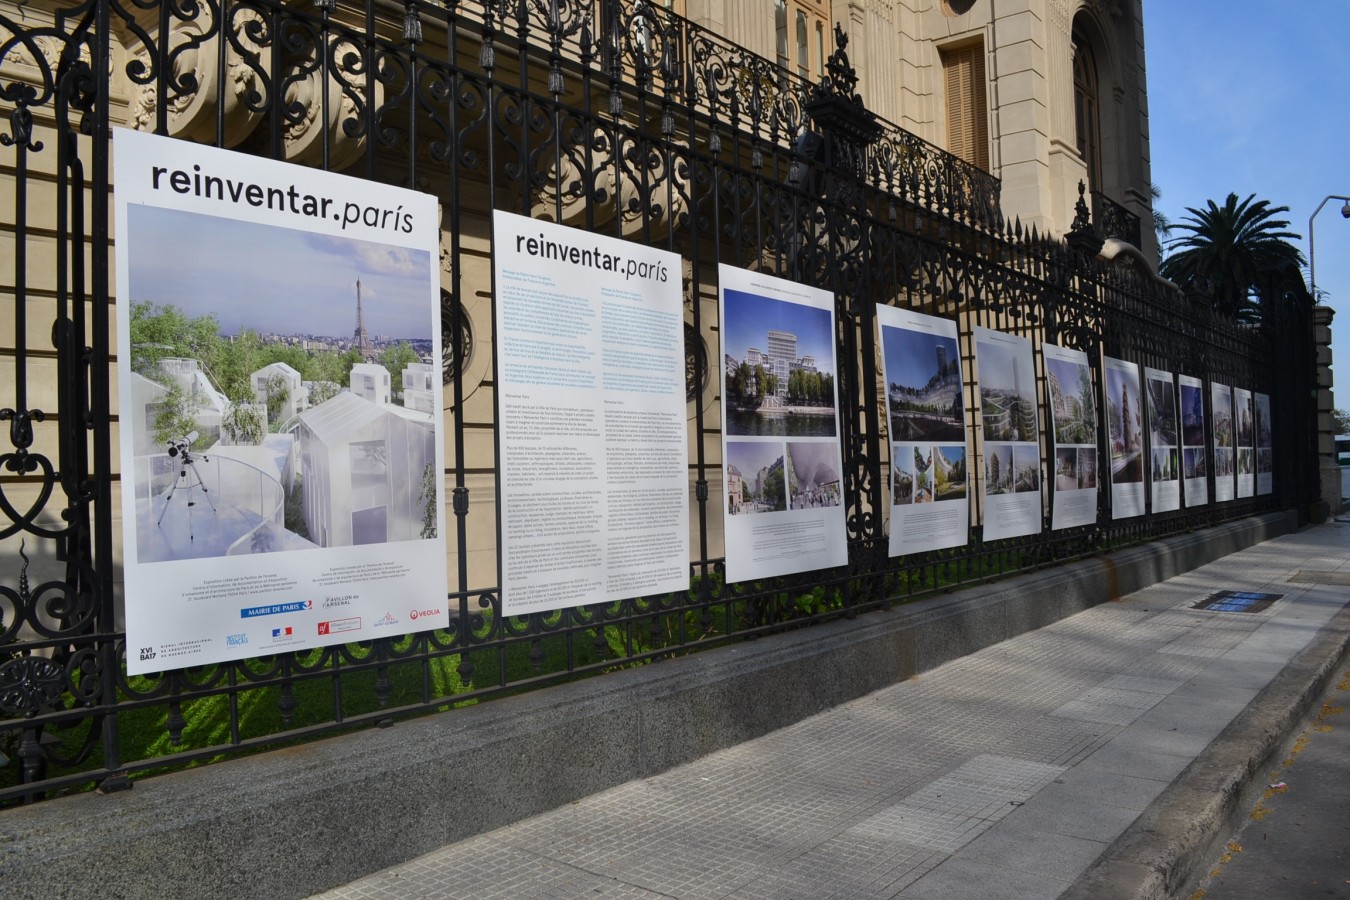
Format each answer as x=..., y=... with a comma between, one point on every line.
x=293, y=822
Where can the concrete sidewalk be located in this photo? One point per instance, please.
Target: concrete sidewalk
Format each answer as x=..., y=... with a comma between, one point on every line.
x=1100, y=756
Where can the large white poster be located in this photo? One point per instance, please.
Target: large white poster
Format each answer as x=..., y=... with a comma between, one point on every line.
x=782, y=491
x=1225, y=463
x=1125, y=425
x=1244, y=421
x=1012, y=458
x=925, y=406
x=280, y=403
x=1073, y=409
x=594, y=480
x=1194, y=458
x=1164, y=470
x=1265, y=461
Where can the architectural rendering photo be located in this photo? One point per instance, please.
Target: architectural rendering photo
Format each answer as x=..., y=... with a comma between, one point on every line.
x=257, y=428
x=924, y=390
x=778, y=367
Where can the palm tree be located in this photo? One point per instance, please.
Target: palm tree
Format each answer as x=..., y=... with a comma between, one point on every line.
x=1227, y=250
x=1162, y=225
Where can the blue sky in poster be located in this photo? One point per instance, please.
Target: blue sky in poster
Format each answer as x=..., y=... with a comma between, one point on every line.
x=276, y=280
x=750, y=317
x=911, y=355
x=1004, y=365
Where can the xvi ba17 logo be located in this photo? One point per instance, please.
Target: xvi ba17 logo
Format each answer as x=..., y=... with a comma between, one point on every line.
x=147, y=654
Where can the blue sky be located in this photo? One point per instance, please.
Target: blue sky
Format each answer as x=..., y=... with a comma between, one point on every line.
x=749, y=317
x=1254, y=97
x=276, y=280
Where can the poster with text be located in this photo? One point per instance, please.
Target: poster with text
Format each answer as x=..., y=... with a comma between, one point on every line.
x=1224, y=458
x=925, y=408
x=594, y=479
x=1006, y=375
x=1125, y=436
x=280, y=401
x=1265, y=461
x=1073, y=410
x=1244, y=423
x=1194, y=458
x=782, y=490
x=1164, y=469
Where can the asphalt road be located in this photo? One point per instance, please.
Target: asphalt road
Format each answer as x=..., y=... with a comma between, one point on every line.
x=1296, y=841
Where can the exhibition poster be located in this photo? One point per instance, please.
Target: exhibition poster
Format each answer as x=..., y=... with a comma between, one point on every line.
x=1073, y=410
x=925, y=408
x=1194, y=458
x=1244, y=421
x=1125, y=427
x=781, y=491
x=1225, y=464
x=1265, y=460
x=1012, y=458
x=280, y=402
x=594, y=455
x=1164, y=470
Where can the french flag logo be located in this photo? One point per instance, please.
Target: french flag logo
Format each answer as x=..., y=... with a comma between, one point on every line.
x=282, y=632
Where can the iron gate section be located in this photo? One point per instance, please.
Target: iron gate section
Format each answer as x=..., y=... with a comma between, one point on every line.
x=610, y=115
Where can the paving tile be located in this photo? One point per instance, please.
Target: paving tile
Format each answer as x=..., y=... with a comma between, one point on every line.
x=962, y=879
x=1004, y=773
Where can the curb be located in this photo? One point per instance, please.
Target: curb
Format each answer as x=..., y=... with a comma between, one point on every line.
x=1169, y=848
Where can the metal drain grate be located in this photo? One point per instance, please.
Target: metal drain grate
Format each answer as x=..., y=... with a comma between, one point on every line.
x=1237, y=601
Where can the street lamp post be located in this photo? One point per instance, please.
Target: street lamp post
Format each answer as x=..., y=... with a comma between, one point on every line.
x=1312, y=246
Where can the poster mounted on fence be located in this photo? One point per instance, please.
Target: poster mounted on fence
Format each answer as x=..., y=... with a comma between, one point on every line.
x=1012, y=458
x=782, y=490
x=1073, y=409
x=1244, y=423
x=1125, y=430
x=1194, y=458
x=279, y=491
x=1265, y=459
x=1164, y=469
x=594, y=468
x=1224, y=458
x=926, y=417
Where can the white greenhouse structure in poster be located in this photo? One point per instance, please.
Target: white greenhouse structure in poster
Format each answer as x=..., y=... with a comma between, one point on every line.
x=363, y=466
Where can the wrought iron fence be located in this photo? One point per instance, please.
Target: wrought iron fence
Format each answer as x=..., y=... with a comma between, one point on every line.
x=614, y=116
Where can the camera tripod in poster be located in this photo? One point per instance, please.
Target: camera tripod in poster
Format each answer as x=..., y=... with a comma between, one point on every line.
x=1194, y=458
x=1073, y=409
x=782, y=490
x=280, y=405
x=925, y=408
x=1012, y=457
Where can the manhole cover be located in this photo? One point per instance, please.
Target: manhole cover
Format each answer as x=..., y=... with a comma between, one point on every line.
x=1237, y=601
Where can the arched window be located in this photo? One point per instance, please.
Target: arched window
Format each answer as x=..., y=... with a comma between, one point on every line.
x=1087, y=110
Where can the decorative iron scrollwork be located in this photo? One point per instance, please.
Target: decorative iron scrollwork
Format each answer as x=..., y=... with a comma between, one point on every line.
x=30, y=684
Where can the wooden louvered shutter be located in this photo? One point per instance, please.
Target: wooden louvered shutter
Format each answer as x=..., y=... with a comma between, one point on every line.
x=967, y=108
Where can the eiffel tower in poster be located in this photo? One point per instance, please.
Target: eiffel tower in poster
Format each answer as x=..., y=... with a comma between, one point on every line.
x=361, y=340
